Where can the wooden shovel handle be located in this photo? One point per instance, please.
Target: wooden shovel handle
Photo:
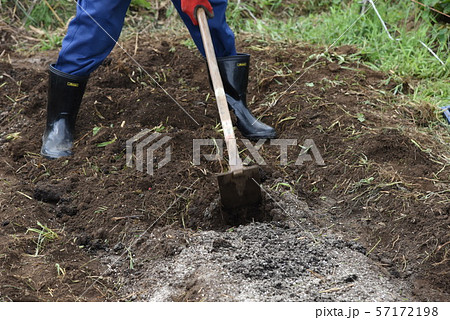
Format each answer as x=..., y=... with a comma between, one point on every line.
x=225, y=118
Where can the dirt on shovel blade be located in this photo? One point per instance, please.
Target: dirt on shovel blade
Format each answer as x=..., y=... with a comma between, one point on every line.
x=240, y=189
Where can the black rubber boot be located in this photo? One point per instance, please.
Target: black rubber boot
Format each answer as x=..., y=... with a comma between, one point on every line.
x=234, y=73
x=64, y=98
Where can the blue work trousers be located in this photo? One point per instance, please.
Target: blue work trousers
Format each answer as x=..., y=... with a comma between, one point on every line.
x=96, y=27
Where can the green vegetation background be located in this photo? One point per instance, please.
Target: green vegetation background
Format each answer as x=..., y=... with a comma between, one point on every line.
x=406, y=58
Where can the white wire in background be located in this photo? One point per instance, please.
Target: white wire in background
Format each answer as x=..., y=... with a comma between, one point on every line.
x=390, y=37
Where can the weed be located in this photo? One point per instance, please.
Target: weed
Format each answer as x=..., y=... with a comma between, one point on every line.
x=13, y=136
x=141, y=3
x=45, y=234
x=159, y=128
x=130, y=258
x=101, y=209
x=106, y=143
x=46, y=14
x=51, y=41
x=60, y=270
x=96, y=130
x=189, y=43
x=283, y=186
x=437, y=5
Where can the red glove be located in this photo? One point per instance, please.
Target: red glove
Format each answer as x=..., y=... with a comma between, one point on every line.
x=190, y=8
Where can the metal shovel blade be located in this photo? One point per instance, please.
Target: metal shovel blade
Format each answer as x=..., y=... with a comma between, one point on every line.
x=240, y=188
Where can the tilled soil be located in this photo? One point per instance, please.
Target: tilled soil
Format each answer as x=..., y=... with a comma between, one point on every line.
x=371, y=224
x=276, y=261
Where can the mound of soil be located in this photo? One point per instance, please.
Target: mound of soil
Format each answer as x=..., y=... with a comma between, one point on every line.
x=384, y=183
x=263, y=262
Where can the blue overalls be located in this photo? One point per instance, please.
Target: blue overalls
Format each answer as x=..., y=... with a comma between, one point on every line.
x=88, y=42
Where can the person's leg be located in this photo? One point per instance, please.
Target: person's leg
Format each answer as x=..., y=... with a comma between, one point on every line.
x=65, y=93
x=221, y=34
x=234, y=71
x=91, y=35
x=233, y=67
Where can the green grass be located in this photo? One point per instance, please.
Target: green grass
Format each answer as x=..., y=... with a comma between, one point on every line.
x=48, y=14
x=441, y=5
x=141, y=4
x=50, y=41
x=342, y=24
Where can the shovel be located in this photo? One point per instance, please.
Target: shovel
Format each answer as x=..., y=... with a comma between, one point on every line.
x=239, y=187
